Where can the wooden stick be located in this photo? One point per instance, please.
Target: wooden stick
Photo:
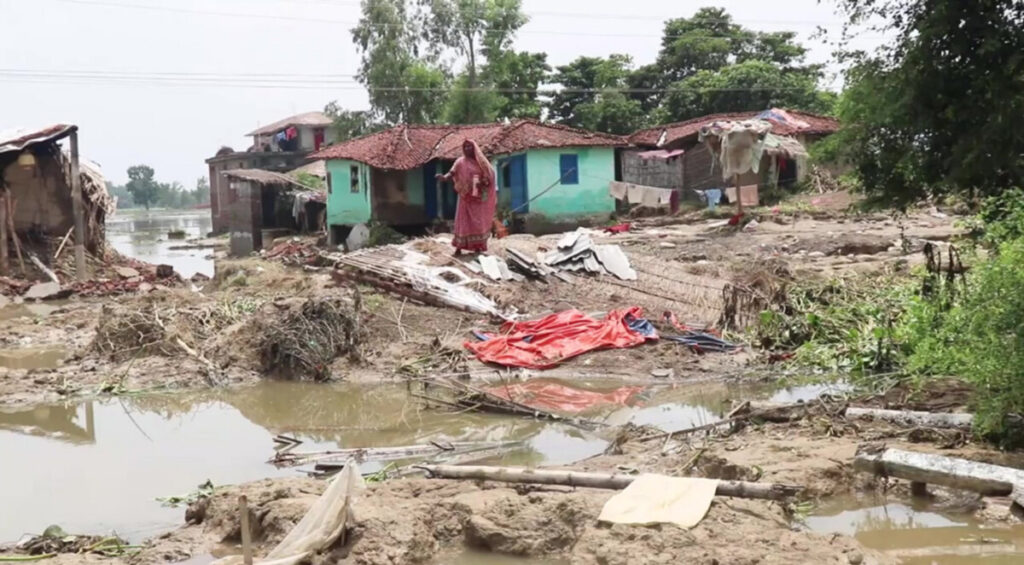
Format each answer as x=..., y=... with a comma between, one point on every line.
x=39, y=264
x=243, y=509
x=14, y=234
x=63, y=242
x=722, y=422
x=77, y=209
x=914, y=419
x=5, y=264
x=613, y=481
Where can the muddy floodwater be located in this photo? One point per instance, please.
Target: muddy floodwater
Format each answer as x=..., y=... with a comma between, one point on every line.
x=144, y=236
x=918, y=532
x=100, y=465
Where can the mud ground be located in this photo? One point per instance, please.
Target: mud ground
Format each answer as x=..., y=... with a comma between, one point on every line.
x=402, y=339
x=427, y=521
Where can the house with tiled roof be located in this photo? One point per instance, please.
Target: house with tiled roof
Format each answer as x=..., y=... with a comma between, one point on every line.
x=279, y=147
x=672, y=156
x=544, y=171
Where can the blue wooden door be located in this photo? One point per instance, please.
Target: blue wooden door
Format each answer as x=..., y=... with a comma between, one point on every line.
x=515, y=181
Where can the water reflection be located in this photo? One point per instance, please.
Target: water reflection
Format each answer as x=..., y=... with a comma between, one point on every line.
x=919, y=534
x=143, y=235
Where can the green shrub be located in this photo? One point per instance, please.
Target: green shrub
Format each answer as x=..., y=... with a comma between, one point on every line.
x=1001, y=218
x=981, y=339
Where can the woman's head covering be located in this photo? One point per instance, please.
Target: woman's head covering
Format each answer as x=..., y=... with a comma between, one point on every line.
x=484, y=164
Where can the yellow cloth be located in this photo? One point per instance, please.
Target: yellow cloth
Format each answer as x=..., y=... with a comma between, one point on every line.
x=657, y=499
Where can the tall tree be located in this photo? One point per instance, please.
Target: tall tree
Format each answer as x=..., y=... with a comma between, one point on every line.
x=751, y=85
x=709, y=50
x=939, y=109
x=591, y=95
x=516, y=78
x=403, y=87
x=144, y=190
x=201, y=195
x=480, y=33
x=351, y=123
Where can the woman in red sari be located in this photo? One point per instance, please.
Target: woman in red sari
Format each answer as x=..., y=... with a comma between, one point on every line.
x=475, y=185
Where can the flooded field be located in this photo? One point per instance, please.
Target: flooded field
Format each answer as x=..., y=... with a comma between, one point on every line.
x=144, y=236
x=99, y=466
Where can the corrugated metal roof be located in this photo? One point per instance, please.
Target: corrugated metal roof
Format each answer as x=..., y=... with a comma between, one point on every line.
x=409, y=146
x=318, y=119
x=20, y=138
x=660, y=136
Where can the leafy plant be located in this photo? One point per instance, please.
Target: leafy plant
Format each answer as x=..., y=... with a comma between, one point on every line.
x=204, y=490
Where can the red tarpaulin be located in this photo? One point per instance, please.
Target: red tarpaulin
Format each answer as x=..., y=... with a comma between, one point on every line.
x=560, y=398
x=544, y=343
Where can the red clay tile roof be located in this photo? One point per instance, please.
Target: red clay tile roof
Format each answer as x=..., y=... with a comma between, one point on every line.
x=819, y=125
x=409, y=146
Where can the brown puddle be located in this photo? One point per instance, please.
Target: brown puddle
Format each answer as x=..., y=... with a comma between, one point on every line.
x=69, y=459
x=44, y=357
x=916, y=533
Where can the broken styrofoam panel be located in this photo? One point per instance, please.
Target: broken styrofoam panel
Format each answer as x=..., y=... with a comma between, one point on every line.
x=489, y=264
x=615, y=261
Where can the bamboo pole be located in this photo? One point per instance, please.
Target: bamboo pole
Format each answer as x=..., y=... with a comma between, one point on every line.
x=613, y=481
x=78, y=209
x=243, y=509
x=63, y=242
x=5, y=264
x=14, y=234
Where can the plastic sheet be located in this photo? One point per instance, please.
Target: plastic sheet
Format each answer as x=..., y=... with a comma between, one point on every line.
x=544, y=343
x=320, y=527
x=557, y=397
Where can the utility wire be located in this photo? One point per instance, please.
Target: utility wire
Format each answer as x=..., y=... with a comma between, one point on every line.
x=284, y=84
x=171, y=9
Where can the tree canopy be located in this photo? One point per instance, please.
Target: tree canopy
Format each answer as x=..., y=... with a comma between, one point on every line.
x=938, y=111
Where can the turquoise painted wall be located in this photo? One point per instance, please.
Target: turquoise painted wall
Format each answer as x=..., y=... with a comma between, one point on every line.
x=345, y=207
x=414, y=186
x=596, y=168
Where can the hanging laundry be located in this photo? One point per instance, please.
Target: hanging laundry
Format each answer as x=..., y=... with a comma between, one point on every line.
x=618, y=190
x=291, y=133
x=635, y=194
x=713, y=196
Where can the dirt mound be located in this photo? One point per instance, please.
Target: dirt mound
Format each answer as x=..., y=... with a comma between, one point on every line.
x=305, y=339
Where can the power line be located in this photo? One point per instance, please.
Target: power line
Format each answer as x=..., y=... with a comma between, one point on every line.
x=170, y=9
x=333, y=84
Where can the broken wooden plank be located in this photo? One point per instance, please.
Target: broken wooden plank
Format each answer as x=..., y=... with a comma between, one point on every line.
x=613, y=481
x=963, y=474
x=912, y=418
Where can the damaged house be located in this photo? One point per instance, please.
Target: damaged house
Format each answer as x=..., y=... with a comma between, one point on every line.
x=547, y=174
x=263, y=205
x=277, y=147
x=673, y=156
x=36, y=197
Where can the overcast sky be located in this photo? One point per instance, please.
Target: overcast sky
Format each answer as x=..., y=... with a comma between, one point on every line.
x=172, y=123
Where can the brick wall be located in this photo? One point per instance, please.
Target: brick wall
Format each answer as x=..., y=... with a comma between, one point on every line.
x=652, y=172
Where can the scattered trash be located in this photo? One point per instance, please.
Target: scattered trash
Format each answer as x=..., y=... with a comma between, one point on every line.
x=751, y=225
x=54, y=541
x=663, y=373
x=619, y=228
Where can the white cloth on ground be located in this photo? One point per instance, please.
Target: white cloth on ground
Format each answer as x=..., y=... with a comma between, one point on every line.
x=657, y=499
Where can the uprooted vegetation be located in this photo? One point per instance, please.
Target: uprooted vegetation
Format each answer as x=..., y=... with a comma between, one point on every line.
x=305, y=340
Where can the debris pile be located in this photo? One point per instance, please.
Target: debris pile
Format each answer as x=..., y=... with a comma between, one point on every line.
x=295, y=251
x=305, y=341
x=408, y=273
x=575, y=252
x=55, y=541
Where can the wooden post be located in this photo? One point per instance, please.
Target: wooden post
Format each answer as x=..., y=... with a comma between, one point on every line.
x=243, y=509
x=5, y=264
x=739, y=197
x=78, y=209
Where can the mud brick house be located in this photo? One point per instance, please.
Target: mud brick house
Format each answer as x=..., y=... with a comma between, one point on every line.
x=266, y=205
x=278, y=147
x=36, y=185
x=672, y=156
x=547, y=174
